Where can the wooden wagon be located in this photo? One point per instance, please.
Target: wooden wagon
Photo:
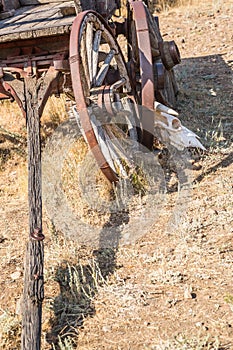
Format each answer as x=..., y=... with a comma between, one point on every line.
x=45, y=49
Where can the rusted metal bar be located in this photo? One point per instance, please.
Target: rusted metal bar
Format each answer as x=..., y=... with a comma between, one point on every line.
x=3, y=92
x=146, y=70
x=15, y=95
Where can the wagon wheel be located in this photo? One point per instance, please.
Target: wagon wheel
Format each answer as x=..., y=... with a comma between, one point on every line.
x=102, y=92
x=151, y=60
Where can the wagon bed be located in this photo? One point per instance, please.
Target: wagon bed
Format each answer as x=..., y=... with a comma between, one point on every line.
x=36, y=21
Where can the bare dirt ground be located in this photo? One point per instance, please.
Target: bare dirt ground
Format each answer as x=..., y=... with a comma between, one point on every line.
x=173, y=288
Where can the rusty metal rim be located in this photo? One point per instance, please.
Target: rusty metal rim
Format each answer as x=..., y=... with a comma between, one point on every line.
x=14, y=94
x=146, y=65
x=75, y=59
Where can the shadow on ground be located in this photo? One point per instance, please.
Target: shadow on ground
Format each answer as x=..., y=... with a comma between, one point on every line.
x=78, y=286
x=205, y=103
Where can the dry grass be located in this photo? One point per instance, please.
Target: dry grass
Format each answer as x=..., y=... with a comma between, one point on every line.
x=158, y=6
x=172, y=289
x=166, y=5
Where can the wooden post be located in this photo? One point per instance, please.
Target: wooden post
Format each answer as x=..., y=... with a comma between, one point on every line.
x=33, y=293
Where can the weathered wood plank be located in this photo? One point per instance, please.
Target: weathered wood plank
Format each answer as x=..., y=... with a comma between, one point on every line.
x=24, y=23
x=52, y=23
x=38, y=2
x=68, y=10
x=33, y=276
x=31, y=19
x=33, y=296
x=44, y=8
x=31, y=34
x=28, y=24
x=20, y=14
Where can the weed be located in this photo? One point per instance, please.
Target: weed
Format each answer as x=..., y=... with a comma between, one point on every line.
x=66, y=344
x=181, y=342
x=229, y=300
x=10, y=331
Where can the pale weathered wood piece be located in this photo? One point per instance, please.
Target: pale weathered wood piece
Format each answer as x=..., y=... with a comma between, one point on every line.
x=53, y=21
x=95, y=53
x=89, y=45
x=31, y=19
x=19, y=13
x=35, y=9
x=28, y=22
x=104, y=69
x=7, y=22
x=67, y=10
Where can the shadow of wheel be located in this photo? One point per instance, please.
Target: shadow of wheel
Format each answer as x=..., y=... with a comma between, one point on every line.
x=130, y=212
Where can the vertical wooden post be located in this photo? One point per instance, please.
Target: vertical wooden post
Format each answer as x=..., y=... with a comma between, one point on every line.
x=33, y=293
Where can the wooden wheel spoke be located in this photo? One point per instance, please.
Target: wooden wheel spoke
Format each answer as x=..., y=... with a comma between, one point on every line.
x=118, y=84
x=83, y=54
x=105, y=67
x=95, y=53
x=89, y=47
x=105, y=141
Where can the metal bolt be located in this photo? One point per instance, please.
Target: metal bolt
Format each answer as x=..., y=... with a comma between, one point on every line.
x=37, y=235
